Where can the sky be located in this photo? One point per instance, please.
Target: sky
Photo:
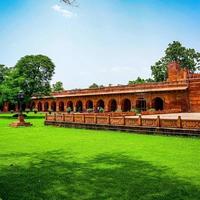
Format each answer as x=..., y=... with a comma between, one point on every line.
x=103, y=42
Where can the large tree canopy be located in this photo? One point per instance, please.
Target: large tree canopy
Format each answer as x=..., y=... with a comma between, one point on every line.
x=3, y=71
x=186, y=57
x=31, y=74
x=34, y=73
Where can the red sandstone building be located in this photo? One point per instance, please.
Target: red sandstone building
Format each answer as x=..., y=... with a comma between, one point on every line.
x=179, y=93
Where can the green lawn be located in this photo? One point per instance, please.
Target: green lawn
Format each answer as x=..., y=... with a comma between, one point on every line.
x=49, y=163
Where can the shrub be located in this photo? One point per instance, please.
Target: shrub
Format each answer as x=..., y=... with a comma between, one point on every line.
x=152, y=110
x=136, y=110
x=35, y=110
x=11, y=111
x=50, y=111
x=90, y=110
x=101, y=110
x=69, y=109
x=27, y=110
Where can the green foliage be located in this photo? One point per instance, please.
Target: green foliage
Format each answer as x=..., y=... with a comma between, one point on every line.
x=57, y=87
x=34, y=73
x=93, y=86
x=101, y=110
x=31, y=74
x=136, y=110
x=175, y=52
x=27, y=110
x=3, y=72
x=69, y=109
x=140, y=80
x=90, y=110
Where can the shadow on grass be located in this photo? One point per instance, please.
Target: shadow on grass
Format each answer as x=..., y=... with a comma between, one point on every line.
x=11, y=117
x=57, y=176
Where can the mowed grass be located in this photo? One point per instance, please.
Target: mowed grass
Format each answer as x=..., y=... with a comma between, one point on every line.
x=51, y=163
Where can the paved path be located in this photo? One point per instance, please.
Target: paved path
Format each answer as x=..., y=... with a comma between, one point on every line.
x=172, y=116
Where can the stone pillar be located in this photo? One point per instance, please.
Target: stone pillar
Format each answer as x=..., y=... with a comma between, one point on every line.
x=158, y=121
x=179, y=122
x=139, y=120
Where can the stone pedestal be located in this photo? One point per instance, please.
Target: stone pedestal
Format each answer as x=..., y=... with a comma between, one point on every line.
x=20, y=122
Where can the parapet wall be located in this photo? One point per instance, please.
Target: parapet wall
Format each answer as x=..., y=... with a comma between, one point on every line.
x=124, y=121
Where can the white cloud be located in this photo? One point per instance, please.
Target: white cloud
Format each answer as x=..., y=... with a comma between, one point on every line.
x=64, y=12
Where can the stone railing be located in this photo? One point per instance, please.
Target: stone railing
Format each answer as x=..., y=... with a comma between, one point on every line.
x=124, y=121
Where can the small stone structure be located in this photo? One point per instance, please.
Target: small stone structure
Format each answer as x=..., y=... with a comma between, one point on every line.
x=20, y=122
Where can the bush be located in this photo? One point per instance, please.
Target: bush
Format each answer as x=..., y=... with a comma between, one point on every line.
x=11, y=111
x=69, y=109
x=152, y=110
x=101, y=110
x=90, y=110
x=136, y=110
x=35, y=110
x=50, y=111
x=27, y=110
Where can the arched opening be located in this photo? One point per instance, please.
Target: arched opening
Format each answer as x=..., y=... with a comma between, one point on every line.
x=141, y=104
x=1, y=107
x=126, y=105
x=79, y=106
x=112, y=107
x=100, y=104
x=46, y=106
x=32, y=106
x=61, y=106
x=53, y=106
x=70, y=105
x=89, y=104
x=158, y=103
x=39, y=106
x=24, y=106
x=11, y=107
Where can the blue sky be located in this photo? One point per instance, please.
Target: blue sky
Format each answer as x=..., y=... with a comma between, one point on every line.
x=107, y=41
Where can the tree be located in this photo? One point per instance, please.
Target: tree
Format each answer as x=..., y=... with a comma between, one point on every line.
x=33, y=74
x=93, y=86
x=57, y=87
x=3, y=72
x=186, y=57
x=140, y=81
x=9, y=88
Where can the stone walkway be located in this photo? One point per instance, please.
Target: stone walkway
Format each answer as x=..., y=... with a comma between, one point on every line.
x=172, y=116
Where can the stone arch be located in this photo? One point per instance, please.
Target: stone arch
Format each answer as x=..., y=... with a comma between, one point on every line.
x=158, y=103
x=46, y=106
x=70, y=105
x=39, y=106
x=79, y=106
x=112, y=105
x=53, y=106
x=1, y=107
x=32, y=105
x=100, y=104
x=61, y=106
x=89, y=104
x=126, y=105
x=141, y=104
